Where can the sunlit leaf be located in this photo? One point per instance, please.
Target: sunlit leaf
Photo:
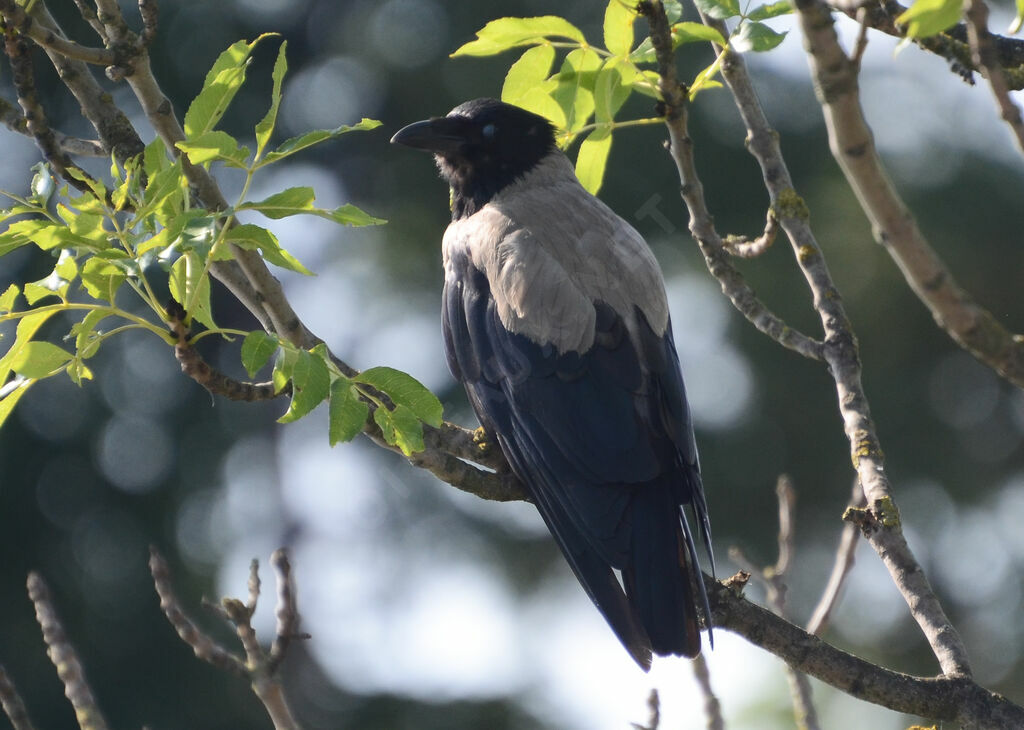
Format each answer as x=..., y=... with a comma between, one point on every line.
x=253, y=237
x=619, y=17
x=265, y=127
x=592, y=158
x=504, y=33
x=8, y=299
x=304, y=141
x=532, y=68
x=214, y=145
x=38, y=359
x=102, y=278
x=771, y=10
x=223, y=81
x=927, y=17
x=10, y=400
x=756, y=37
x=719, y=9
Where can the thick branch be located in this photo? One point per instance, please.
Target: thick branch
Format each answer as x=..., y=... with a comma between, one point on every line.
x=955, y=699
x=973, y=327
x=952, y=44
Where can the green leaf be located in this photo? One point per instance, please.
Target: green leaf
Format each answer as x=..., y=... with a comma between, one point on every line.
x=757, y=37
x=257, y=347
x=102, y=278
x=34, y=291
x=189, y=284
x=48, y=235
x=222, y=82
x=405, y=390
x=252, y=237
x=575, y=91
x=87, y=340
x=612, y=88
x=688, y=32
x=8, y=402
x=27, y=328
x=349, y=215
x=292, y=201
x=539, y=101
x=38, y=359
x=719, y=9
x=1016, y=24
x=347, y=413
x=504, y=33
x=303, y=141
x=771, y=10
x=673, y=10
x=311, y=382
x=592, y=158
x=532, y=69
x=215, y=145
x=927, y=17
x=8, y=298
x=400, y=428
x=154, y=157
x=265, y=127
x=164, y=193
x=618, y=27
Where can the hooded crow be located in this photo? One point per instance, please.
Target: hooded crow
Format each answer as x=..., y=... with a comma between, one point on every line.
x=556, y=322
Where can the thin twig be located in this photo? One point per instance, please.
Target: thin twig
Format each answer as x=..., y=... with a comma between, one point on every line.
x=111, y=124
x=193, y=365
x=23, y=76
x=746, y=248
x=702, y=227
x=654, y=710
x=841, y=568
x=983, y=53
x=774, y=579
x=11, y=118
x=14, y=706
x=203, y=646
x=712, y=707
x=286, y=611
x=18, y=20
x=64, y=657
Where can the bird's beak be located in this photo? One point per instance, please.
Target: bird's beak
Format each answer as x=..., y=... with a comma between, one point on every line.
x=439, y=135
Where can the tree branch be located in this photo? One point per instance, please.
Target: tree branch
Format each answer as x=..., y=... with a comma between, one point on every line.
x=14, y=706
x=948, y=698
x=17, y=19
x=952, y=44
x=840, y=569
x=840, y=351
x=970, y=325
x=702, y=227
x=64, y=657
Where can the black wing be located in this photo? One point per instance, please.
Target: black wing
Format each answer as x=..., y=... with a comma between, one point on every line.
x=604, y=443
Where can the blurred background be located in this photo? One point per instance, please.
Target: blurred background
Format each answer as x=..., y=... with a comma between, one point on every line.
x=430, y=608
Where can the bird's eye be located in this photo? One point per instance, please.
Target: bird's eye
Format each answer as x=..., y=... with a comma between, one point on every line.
x=488, y=131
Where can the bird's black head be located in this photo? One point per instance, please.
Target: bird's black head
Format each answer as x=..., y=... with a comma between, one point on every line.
x=481, y=147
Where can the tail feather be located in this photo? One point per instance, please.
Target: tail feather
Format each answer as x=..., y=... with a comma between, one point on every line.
x=661, y=572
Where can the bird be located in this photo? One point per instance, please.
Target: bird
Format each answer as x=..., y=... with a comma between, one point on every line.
x=556, y=322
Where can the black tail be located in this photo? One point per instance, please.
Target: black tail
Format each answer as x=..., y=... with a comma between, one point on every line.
x=662, y=572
